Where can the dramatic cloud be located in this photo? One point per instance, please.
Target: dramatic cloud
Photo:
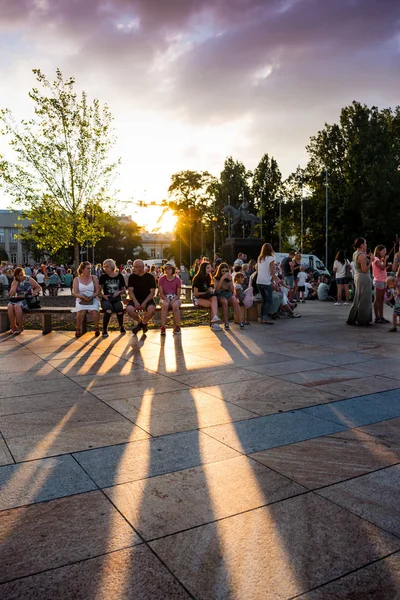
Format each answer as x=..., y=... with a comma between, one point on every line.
x=192, y=81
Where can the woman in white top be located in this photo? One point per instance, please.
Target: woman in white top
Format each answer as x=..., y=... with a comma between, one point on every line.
x=342, y=282
x=86, y=289
x=265, y=276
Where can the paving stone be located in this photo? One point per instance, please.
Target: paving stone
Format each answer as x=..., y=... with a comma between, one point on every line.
x=317, y=377
x=200, y=495
x=216, y=376
x=46, y=402
x=360, y=387
x=27, y=388
x=386, y=430
x=331, y=458
x=50, y=534
x=363, y=410
x=5, y=456
x=294, y=365
x=271, y=431
x=275, y=552
x=374, y=497
x=39, y=480
x=342, y=359
x=380, y=580
x=154, y=385
x=139, y=460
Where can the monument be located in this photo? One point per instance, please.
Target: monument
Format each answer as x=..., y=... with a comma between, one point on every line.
x=242, y=222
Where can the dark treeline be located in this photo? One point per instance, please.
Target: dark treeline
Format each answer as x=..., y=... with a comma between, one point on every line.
x=361, y=154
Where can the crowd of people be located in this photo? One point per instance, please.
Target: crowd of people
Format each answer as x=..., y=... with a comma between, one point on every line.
x=279, y=287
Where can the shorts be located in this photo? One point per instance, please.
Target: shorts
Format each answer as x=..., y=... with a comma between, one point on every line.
x=115, y=306
x=342, y=280
x=301, y=288
x=149, y=303
x=225, y=294
x=289, y=280
x=380, y=285
x=396, y=311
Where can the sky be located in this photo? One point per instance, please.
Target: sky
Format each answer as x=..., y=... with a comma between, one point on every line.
x=190, y=82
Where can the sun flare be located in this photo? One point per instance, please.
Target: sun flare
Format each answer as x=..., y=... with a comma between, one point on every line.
x=154, y=218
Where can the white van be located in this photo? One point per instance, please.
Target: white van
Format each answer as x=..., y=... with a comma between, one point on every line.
x=308, y=260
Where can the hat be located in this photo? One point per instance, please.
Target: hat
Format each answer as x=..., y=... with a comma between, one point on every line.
x=169, y=264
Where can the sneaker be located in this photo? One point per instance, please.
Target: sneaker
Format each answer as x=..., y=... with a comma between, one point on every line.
x=122, y=330
x=177, y=330
x=216, y=327
x=241, y=325
x=296, y=315
x=383, y=320
x=345, y=304
x=336, y=304
x=227, y=326
x=392, y=330
x=162, y=332
x=136, y=329
x=145, y=328
x=215, y=319
x=104, y=334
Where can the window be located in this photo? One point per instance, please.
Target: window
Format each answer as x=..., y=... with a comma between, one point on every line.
x=152, y=252
x=13, y=235
x=25, y=258
x=13, y=257
x=2, y=235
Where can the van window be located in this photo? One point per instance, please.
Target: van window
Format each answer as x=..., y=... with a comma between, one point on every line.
x=319, y=265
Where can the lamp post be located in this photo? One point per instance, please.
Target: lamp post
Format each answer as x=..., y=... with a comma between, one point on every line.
x=261, y=214
x=280, y=224
x=326, y=217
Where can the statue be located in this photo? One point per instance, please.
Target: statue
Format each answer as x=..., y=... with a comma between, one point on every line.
x=241, y=216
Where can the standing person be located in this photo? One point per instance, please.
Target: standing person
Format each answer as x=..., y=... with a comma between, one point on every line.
x=225, y=289
x=54, y=283
x=379, y=272
x=86, y=289
x=340, y=267
x=265, y=276
x=41, y=279
x=3, y=285
x=204, y=293
x=68, y=279
x=296, y=270
x=21, y=287
x=361, y=311
x=112, y=285
x=170, y=288
x=287, y=266
x=142, y=289
x=393, y=283
x=301, y=283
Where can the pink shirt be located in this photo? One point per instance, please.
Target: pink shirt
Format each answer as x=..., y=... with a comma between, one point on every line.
x=169, y=287
x=379, y=274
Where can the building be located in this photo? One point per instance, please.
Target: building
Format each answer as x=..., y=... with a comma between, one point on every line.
x=8, y=237
x=156, y=244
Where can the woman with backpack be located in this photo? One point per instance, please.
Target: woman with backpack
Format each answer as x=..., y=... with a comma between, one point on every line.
x=342, y=271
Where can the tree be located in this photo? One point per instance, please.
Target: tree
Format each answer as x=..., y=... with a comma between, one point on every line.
x=61, y=174
x=122, y=240
x=267, y=182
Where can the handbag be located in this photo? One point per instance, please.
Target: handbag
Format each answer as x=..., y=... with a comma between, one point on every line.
x=85, y=302
x=32, y=301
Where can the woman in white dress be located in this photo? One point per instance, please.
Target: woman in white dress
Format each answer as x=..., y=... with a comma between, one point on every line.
x=86, y=289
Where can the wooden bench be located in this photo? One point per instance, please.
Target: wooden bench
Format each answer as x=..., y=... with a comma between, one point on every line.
x=47, y=313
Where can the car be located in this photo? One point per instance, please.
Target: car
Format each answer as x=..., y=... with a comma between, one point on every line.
x=310, y=261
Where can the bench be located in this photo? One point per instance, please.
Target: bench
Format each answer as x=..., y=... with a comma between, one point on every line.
x=47, y=313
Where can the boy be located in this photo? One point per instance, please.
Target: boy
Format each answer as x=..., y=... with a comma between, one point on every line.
x=393, y=284
x=301, y=283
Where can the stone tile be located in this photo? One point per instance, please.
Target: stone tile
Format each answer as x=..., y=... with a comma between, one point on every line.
x=363, y=410
x=91, y=365
x=20, y=363
x=358, y=387
x=44, y=422
x=189, y=364
x=271, y=431
x=83, y=352
x=5, y=456
x=27, y=388
x=35, y=375
x=380, y=580
x=277, y=551
x=40, y=480
x=374, y=497
x=216, y=376
x=51, y=534
x=49, y=401
x=154, y=385
x=330, y=459
x=379, y=366
x=320, y=376
x=128, y=376
x=84, y=437
x=131, y=574
x=196, y=496
x=295, y=365
x=169, y=413
x=267, y=395
x=342, y=359
x=156, y=456
x=388, y=431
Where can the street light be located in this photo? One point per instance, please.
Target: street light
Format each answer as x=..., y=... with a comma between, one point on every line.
x=326, y=217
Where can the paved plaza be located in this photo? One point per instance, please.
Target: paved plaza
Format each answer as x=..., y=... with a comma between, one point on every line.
x=255, y=465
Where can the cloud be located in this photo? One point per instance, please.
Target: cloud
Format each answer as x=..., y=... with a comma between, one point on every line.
x=256, y=75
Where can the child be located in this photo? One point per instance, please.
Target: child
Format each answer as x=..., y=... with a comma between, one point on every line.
x=393, y=284
x=238, y=282
x=301, y=283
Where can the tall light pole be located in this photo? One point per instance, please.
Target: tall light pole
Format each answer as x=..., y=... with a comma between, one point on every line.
x=301, y=215
x=326, y=217
x=261, y=214
x=280, y=224
x=229, y=218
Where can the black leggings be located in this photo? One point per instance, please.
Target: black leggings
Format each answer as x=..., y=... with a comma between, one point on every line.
x=116, y=307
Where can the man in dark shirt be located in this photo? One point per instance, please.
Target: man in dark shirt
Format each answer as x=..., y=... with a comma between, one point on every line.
x=142, y=289
x=287, y=266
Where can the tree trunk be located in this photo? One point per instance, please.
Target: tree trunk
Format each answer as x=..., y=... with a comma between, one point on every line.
x=76, y=255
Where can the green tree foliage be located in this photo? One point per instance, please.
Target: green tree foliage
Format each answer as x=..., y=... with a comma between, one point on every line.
x=61, y=174
x=121, y=241
x=267, y=189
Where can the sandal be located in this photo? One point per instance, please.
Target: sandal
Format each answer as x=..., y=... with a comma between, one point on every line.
x=78, y=333
x=267, y=323
x=96, y=332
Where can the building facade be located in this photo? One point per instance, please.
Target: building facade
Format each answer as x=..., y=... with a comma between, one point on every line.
x=16, y=252
x=156, y=244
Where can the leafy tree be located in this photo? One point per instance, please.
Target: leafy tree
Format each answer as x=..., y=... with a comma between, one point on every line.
x=267, y=188
x=61, y=173
x=122, y=240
